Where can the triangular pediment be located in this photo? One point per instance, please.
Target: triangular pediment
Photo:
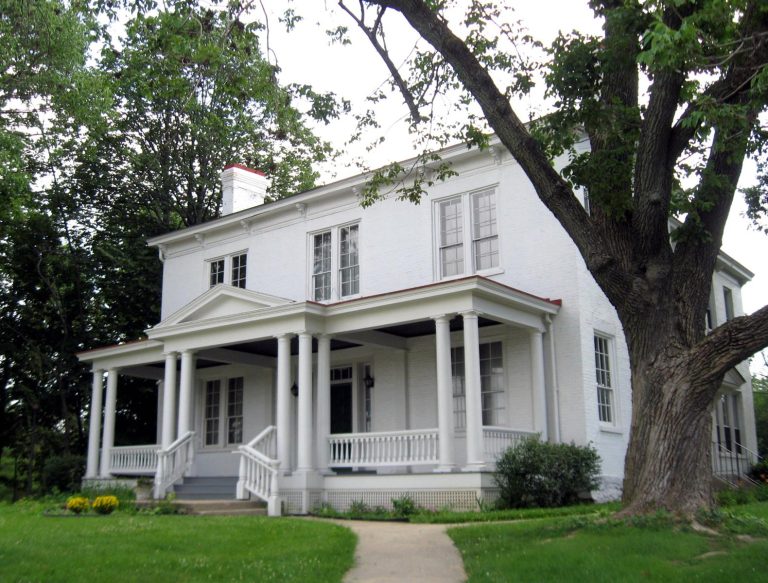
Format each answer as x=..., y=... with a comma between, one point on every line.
x=222, y=301
x=734, y=378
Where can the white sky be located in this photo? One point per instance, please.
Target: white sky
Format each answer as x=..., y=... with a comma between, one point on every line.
x=356, y=71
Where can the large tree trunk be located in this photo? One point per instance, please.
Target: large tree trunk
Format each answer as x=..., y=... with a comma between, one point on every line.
x=668, y=461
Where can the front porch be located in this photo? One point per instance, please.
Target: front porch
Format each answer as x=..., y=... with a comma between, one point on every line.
x=415, y=392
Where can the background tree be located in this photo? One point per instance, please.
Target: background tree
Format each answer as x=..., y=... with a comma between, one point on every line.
x=670, y=99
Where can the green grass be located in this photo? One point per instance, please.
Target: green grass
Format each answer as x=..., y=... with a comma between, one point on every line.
x=586, y=549
x=135, y=547
x=512, y=514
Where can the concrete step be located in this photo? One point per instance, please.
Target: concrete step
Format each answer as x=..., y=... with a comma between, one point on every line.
x=207, y=488
x=222, y=507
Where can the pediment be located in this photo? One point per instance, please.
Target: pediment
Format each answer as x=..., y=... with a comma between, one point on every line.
x=222, y=301
x=734, y=378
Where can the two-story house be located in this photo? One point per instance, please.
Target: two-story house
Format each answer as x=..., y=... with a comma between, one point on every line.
x=344, y=353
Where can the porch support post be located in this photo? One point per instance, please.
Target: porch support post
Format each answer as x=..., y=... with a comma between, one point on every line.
x=473, y=392
x=169, y=400
x=323, y=400
x=185, y=392
x=444, y=393
x=108, y=439
x=283, y=412
x=94, y=430
x=305, y=402
x=538, y=385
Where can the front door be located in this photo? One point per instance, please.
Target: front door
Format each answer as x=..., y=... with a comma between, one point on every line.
x=341, y=408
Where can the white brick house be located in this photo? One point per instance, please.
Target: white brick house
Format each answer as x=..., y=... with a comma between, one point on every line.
x=344, y=353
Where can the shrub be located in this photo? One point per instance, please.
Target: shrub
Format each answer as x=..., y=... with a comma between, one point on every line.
x=358, y=507
x=404, y=506
x=77, y=504
x=536, y=473
x=63, y=472
x=105, y=504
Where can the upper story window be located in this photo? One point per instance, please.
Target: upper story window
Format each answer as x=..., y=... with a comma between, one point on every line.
x=606, y=409
x=235, y=266
x=728, y=301
x=336, y=263
x=475, y=214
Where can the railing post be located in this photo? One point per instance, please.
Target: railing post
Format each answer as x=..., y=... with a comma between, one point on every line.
x=240, y=491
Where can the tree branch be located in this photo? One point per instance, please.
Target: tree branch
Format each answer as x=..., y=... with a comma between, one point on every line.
x=730, y=344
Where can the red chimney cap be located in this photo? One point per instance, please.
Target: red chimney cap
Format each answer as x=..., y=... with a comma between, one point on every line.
x=242, y=167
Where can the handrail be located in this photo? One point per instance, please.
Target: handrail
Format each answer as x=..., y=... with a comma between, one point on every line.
x=733, y=465
x=265, y=442
x=386, y=448
x=133, y=459
x=258, y=471
x=173, y=463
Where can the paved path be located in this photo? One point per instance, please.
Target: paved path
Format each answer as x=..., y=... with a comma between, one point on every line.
x=402, y=552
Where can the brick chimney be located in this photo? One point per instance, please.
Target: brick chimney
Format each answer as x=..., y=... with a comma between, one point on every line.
x=242, y=188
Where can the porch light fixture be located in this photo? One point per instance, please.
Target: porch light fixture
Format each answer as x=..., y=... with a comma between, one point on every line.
x=295, y=389
x=368, y=381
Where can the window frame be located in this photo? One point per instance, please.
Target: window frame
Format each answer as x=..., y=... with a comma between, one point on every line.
x=227, y=275
x=460, y=396
x=612, y=386
x=468, y=239
x=222, y=420
x=335, y=279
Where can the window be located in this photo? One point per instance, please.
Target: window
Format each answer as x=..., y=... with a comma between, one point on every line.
x=605, y=397
x=349, y=268
x=339, y=270
x=728, y=423
x=223, y=412
x=728, y=300
x=491, y=384
x=239, y=264
x=474, y=213
x=235, y=265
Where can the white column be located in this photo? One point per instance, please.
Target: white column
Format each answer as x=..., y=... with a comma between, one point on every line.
x=94, y=431
x=538, y=386
x=169, y=400
x=444, y=393
x=472, y=388
x=186, y=391
x=108, y=439
x=284, y=401
x=323, y=399
x=304, y=461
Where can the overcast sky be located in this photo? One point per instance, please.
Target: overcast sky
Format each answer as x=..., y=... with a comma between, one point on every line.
x=355, y=72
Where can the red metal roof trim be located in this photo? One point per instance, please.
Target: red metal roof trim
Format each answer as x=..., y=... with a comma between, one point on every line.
x=242, y=167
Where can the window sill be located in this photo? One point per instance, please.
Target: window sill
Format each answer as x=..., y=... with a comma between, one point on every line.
x=611, y=429
x=490, y=272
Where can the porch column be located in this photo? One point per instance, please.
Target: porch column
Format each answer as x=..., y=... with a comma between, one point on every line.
x=473, y=392
x=186, y=391
x=169, y=400
x=323, y=400
x=304, y=461
x=283, y=412
x=444, y=393
x=108, y=439
x=537, y=384
x=92, y=468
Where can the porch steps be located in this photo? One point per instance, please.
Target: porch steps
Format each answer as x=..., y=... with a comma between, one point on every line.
x=208, y=488
x=222, y=507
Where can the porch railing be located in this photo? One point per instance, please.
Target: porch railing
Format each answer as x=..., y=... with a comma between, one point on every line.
x=133, y=459
x=733, y=464
x=172, y=463
x=391, y=448
x=496, y=440
x=258, y=469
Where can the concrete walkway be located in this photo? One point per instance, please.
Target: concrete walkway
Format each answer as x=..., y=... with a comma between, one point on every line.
x=402, y=552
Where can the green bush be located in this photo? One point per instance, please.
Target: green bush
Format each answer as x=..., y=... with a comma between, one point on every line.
x=404, y=507
x=536, y=473
x=63, y=473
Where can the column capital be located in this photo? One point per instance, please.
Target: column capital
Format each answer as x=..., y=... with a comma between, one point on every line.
x=323, y=336
x=187, y=352
x=470, y=314
x=97, y=371
x=283, y=336
x=442, y=317
x=536, y=332
x=171, y=353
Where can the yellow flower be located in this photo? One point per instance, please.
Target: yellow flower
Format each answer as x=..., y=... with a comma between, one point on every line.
x=105, y=504
x=77, y=504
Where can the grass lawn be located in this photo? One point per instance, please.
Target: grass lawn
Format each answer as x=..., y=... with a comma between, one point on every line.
x=135, y=547
x=585, y=549
x=512, y=514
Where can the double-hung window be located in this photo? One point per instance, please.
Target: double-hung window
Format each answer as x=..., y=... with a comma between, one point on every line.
x=223, y=412
x=229, y=269
x=335, y=263
x=606, y=409
x=728, y=423
x=491, y=384
x=473, y=214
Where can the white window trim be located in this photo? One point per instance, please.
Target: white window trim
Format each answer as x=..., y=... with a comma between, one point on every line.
x=227, y=268
x=335, y=231
x=615, y=426
x=466, y=233
x=223, y=444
